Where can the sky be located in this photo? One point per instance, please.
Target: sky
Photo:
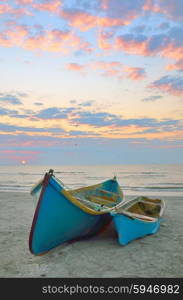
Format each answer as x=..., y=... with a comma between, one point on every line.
x=91, y=82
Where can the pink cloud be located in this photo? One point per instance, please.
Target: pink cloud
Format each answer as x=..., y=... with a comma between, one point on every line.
x=17, y=35
x=173, y=51
x=5, y=8
x=131, y=46
x=135, y=73
x=16, y=12
x=85, y=21
x=170, y=85
x=20, y=155
x=150, y=5
x=148, y=46
x=177, y=66
x=105, y=4
x=104, y=40
x=75, y=67
x=55, y=40
x=111, y=69
x=24, y=2
x=50, y=6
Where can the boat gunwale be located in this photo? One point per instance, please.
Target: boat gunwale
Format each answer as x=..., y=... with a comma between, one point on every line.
x=141, y=217
x=74, y=199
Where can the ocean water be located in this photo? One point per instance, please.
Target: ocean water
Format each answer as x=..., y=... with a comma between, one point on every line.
x=155, y=180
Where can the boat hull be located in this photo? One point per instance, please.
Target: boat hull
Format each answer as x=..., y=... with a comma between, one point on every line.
x=58, y=220
x=129, y=229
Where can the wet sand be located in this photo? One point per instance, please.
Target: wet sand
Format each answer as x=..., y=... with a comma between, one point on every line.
x=158, y=255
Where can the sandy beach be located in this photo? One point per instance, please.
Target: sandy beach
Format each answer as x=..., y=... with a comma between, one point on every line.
x=158, y=255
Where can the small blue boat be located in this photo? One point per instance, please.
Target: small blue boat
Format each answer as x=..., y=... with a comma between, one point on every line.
x=137, y=218
x=63, y=215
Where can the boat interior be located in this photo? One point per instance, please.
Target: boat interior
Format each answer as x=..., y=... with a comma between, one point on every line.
x=97, y=198
x=143, y=206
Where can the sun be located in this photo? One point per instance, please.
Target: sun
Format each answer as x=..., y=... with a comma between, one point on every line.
x=23, y=162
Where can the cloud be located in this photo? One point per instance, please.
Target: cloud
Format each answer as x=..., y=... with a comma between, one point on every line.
x=73, y=101
x=52, y=6
x=177, y=66
x=135, y=73
x=110, y=69
x=172, y=9
x=168, y=84
x=85, y=21
x=98, y=119
x=19, y=155
x=55, y=40
x=9, y=99
x=101, y=119
x=111, y=17
x=8, y=112
x=54, y=113
x=5, y=8
x=87, y=103
x=73, y=133
x=132, y=44
x=24, y=2
x=166, y=45
x=146, y=122
x=38, y=103
x=126, y=10
x=15, y=129
x=15, y=113
x=152, y=98
x=75, y=67
x=164, y=26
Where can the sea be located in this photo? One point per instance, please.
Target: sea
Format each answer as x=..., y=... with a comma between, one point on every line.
x=139, y=180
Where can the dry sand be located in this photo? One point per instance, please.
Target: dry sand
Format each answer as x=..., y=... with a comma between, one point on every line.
x=158, y=255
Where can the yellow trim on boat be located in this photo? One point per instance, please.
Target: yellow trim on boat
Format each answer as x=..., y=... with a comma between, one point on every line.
x=80, y=205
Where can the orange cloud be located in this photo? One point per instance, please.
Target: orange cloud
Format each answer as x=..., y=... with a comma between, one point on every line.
x=85, y=21
x=51, y=6
x=143, y=46
x=177, y=66
x=135, y=73
x=55, y=40
x=150, y=5
x=16, y=12
x=168, y=84
x=118, y=70
x=131, y=46
x=5, y=8
x=24, y=2
x=75, y=67
x=168, y=89
x=104, y=40
x=173, y=51
x=111, y=69
x=17, y=35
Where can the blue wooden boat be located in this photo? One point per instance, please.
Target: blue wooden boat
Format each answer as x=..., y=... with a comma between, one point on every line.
x=62, y=215
x=138, y=217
